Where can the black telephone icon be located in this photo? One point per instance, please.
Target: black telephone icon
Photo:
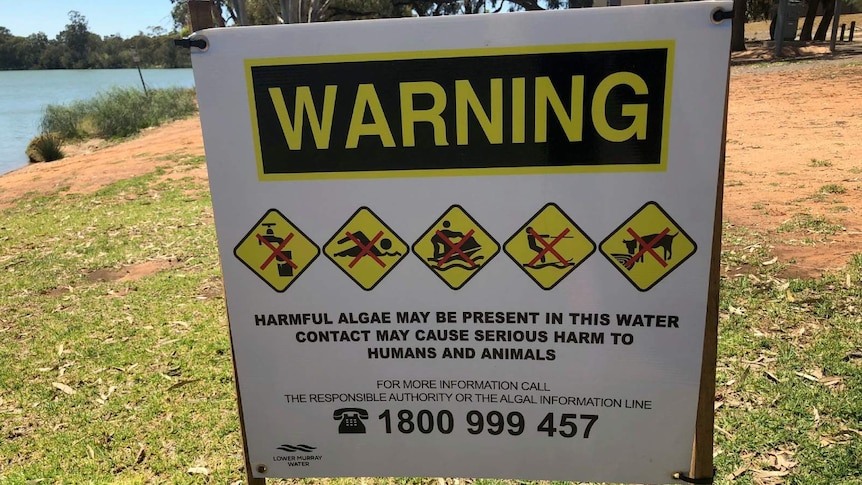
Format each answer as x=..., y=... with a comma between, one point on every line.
x=350, y=420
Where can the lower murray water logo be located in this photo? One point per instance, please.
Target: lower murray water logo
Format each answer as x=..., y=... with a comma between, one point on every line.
x=297, y=455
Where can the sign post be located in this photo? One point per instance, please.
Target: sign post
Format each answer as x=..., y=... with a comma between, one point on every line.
x=473, y=246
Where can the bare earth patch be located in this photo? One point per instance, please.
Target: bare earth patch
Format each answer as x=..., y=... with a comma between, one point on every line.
x=794, y=161
x=131, y=272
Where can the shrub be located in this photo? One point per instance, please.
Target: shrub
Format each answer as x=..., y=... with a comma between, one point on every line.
x=119, y=113
x=65, y=121
x=124, y=112
x=46, y=147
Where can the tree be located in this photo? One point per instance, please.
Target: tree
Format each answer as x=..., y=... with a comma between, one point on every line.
x=261, y=12
x=811, y=13
x=223, y=12
x=76, y=38
x=36, y=51
x=13, y=51
x=737, y=32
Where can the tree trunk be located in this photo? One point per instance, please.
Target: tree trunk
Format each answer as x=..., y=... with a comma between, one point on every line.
x=217, y=18
x=828, y=12
x=737, y=35
x=808, y=25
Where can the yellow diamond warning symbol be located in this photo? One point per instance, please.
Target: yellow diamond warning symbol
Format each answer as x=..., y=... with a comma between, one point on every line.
x=549, y=246
x=648, y=246
x=365, y=248
x=276, y=250
x=455, y=247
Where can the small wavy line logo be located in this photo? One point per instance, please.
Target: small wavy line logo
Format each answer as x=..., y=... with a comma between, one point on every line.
x=295, y=448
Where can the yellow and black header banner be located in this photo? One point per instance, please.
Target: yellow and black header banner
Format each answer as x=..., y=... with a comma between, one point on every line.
x=546, y=109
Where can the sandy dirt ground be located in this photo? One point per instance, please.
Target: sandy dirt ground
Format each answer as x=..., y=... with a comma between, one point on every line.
x=794, y=160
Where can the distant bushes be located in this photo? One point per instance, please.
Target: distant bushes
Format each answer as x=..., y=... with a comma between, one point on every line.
x=46, y=147
x=118, y=113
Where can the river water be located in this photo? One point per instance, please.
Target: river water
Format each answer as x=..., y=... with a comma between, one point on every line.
x=24, y=95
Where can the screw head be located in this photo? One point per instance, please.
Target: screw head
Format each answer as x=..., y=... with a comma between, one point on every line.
x=261, y=468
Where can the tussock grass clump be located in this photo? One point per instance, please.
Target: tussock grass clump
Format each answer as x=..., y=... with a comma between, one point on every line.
x=46, y=147
x=118, y=113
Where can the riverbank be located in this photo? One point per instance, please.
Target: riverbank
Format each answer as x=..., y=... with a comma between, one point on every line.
x=94, y=164
x=24, y=96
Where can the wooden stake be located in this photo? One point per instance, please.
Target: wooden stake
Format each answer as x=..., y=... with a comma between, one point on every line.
x=701, y=457
x=200, y=15
x=835, y=16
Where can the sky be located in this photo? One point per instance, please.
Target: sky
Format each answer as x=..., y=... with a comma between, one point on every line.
x=104, y=17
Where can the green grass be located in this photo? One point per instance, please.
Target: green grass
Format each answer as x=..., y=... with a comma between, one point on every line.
x=790, y=375
x=816, y=162
x=147, y=361
x=833, y=189
x=119, y=112
x=815, y=224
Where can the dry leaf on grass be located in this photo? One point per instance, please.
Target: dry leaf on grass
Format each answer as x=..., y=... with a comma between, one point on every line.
x=831, y=381
x=816, y=375
x=183, y=383
x=63, y=387
x=724, y=432
x=108, y=394
x=806, y=376
x=769, y=478
x=199, y=470
x=782, y=460
x=770, y=473
x=735, y=311
x=738, y=472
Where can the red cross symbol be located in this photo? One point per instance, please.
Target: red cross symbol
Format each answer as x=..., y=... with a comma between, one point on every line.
x=455, y=248
x=548, y=247
x=646, y=247
x=365, y=250
x=276, y=251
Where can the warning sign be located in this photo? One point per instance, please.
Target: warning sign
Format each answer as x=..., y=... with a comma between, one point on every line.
x=365, y=248
x=536, y=138
x=549, y=246
x=648, y=246
x=276, y=250
x=455, y=247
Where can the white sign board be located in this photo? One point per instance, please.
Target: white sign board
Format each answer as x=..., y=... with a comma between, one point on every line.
x=469, y=246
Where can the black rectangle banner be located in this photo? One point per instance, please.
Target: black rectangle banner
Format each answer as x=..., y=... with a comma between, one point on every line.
x=546, y=109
